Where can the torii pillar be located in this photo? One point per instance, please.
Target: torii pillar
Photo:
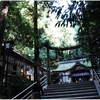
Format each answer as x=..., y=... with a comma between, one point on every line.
x=48, y=66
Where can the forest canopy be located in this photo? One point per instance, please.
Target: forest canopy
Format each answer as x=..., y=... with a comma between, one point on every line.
x=74, y=15
x=85, y=14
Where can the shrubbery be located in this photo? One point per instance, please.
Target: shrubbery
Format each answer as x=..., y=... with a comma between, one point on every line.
x=15, y=86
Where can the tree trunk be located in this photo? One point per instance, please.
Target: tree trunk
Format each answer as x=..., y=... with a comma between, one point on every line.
x=36, y=43
x=3, y=14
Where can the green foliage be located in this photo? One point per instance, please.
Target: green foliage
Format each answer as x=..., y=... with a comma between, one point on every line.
x=86, y=15
x=16, y=85
x=72, y=13
x=17, y=27
x=43, y=56
x=20, y=27
x=89, y=34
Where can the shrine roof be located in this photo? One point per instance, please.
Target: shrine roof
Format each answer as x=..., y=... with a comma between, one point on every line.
x=68, y=65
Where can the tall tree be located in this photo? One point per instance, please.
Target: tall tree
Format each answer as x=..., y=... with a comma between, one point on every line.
x=83, y=14
x=36, y=37
x=18, y=26
x=3, y=14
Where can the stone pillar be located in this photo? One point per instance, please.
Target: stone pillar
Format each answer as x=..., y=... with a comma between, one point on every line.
x=48, y=66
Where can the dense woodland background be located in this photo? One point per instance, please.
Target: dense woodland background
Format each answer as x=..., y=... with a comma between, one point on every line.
x=61, y=26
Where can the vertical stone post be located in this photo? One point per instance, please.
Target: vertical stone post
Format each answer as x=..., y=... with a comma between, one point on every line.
x=48, y=66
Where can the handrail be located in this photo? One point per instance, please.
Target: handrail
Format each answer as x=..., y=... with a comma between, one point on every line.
x=27, y=93
x=96, y=81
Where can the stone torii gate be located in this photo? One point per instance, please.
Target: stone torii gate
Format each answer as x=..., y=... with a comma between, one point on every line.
x=48, y=47
x=56, y=48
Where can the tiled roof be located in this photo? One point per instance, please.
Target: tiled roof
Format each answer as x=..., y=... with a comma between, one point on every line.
x=67, y=65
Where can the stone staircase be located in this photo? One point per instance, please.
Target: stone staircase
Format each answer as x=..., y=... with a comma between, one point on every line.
x=79, y=90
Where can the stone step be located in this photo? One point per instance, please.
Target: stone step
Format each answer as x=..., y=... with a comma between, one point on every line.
x=69, y=92
x=82, y=90
x=69, y=89
x=71, y=84
x=75, y=95
x=79, y=97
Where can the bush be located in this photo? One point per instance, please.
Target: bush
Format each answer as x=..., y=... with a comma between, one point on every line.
x=15, y=86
